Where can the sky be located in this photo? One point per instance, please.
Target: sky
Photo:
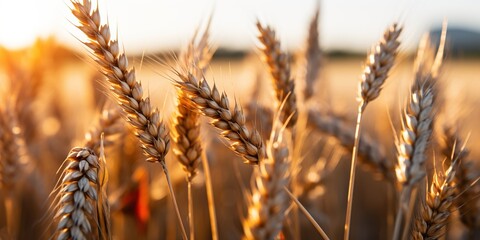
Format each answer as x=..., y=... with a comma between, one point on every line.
x=155, y=25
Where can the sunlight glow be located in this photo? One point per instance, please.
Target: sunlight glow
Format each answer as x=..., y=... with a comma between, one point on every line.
x=21, y=22
x=157, y=25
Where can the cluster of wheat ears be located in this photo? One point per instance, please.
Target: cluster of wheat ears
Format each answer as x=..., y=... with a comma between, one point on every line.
x=270, y=139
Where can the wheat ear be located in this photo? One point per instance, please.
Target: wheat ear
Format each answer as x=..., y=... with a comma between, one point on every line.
x=434, y=213
x=417, y=126
x=269, y=201
x=146, y=120
x=186, y=121
x=77, y=196
x=466, y=178
x=313, y=57
x=109, y=124
x=279, y=67
x=13, y=158
x=245, y=143
x=468, y=191
x=416, y=132
x=378, y=64
x=149, y=128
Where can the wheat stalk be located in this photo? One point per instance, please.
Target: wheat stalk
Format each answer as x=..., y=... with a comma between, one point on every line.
x=103, y=205
x=279, y=67
x=269, y=201
x=186, y=121
x=417, y=126
x=146, y=120
x=378, y=64
x=149, y=128
x=245, y=143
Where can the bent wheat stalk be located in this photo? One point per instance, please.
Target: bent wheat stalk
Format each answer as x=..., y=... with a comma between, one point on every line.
x=379, y=62
x=149, y=128
x=245, y=143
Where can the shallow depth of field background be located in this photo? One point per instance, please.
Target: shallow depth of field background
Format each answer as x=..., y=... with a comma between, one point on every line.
x=154, y=31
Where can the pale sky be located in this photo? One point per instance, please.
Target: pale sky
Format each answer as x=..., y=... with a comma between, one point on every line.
x=147, y=25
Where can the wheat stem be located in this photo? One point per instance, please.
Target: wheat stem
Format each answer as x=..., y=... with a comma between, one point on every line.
x=353, y=165
x=379, y=62
x=174, y=200
x=191, y=222
x=307, y=214
x=211, y=200
x=405, y=199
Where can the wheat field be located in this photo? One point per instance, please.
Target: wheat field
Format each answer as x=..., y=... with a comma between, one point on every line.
x=268, y=144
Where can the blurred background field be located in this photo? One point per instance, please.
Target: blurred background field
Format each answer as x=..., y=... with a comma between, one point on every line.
x=69, y=94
